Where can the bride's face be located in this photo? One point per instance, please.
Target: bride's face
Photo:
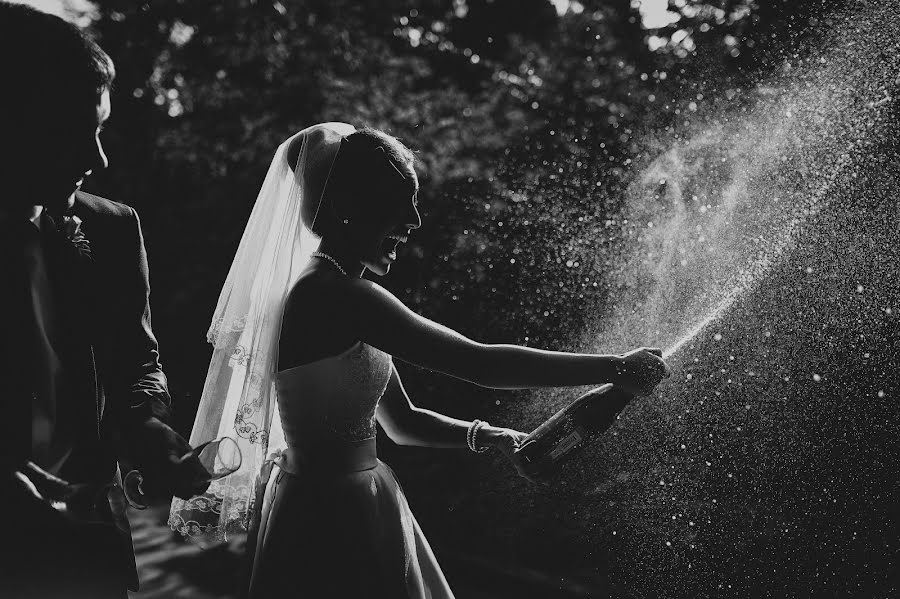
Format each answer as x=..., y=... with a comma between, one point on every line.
x=378, y=237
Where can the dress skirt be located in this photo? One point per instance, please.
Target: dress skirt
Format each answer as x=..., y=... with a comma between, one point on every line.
x=329, y=532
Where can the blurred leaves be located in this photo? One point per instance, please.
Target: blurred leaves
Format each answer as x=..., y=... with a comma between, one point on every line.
x=525, y=120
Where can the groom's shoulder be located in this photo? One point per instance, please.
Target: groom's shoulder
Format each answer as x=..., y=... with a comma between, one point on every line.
x=90, y=204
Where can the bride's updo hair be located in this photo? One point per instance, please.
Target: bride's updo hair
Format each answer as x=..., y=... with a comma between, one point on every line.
x=370, y=171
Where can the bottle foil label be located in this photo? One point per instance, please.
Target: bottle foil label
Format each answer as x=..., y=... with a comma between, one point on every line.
x=565, y=445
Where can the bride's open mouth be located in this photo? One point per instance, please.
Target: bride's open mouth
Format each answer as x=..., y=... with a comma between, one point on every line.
x=391, y=243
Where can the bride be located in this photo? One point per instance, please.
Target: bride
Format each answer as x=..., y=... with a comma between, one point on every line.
x=302, y=369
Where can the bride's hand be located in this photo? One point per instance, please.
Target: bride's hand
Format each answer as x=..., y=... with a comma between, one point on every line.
x=641, y=369
x=506, y=440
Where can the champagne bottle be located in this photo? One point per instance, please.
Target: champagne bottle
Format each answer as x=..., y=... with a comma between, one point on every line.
x=570, y=429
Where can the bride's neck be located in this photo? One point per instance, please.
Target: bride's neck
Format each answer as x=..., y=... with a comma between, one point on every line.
x=345, y=257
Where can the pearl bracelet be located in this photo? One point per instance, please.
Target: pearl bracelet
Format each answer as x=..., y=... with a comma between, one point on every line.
x=471, y=434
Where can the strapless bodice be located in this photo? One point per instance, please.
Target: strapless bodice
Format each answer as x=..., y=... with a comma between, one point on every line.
x=333, y=399
x=334, y=521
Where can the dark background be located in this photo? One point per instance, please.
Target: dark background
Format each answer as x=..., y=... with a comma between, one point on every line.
x=510, y=147
x=533, y=128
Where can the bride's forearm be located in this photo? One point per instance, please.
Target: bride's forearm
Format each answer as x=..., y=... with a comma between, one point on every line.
x=425, y=428
x=518, y=367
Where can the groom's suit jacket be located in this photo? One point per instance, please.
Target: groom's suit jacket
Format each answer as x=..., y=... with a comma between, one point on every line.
x=109, y=354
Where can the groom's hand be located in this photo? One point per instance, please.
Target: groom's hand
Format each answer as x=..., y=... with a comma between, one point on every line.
x=159, y=455
x=35, y=496
x=186, y=477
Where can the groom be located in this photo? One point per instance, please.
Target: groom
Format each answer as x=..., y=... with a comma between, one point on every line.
x=82, y=385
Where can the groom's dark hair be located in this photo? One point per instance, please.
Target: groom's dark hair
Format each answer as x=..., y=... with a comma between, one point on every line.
x=45, y=61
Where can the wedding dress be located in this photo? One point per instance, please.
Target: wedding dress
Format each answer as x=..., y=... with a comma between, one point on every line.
x=329, y=520
x=335, y=522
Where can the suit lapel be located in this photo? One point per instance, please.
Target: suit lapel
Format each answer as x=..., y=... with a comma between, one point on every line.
x=90, y=301
x=71, y=273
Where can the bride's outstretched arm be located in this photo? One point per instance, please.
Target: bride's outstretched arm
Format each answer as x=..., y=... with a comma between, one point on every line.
x=407, y=424
x=384, y=322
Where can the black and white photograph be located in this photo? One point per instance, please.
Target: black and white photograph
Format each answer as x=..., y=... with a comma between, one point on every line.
x=473, y=299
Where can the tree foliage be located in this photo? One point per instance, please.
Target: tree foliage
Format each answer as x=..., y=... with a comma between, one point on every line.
x=526, y=120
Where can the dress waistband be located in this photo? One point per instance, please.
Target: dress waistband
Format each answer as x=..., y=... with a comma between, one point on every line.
x=330, y=458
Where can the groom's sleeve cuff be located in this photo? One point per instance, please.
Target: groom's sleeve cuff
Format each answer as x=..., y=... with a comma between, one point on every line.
x=150, y=408
x=146, y=404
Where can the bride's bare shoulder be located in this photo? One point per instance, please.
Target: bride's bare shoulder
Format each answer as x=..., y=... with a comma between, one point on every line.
x=311, y=288
x=315, y=322
x=328, y=292
x=334, y=296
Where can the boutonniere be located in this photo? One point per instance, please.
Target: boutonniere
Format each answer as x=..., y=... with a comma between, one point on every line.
x=72, y=233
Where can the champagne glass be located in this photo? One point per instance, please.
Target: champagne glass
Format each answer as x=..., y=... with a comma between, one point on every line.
x=219, y=457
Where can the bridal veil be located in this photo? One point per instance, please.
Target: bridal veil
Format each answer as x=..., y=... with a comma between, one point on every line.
x=239, y=396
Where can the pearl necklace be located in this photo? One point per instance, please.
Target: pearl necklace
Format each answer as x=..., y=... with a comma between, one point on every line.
x=330, y=259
